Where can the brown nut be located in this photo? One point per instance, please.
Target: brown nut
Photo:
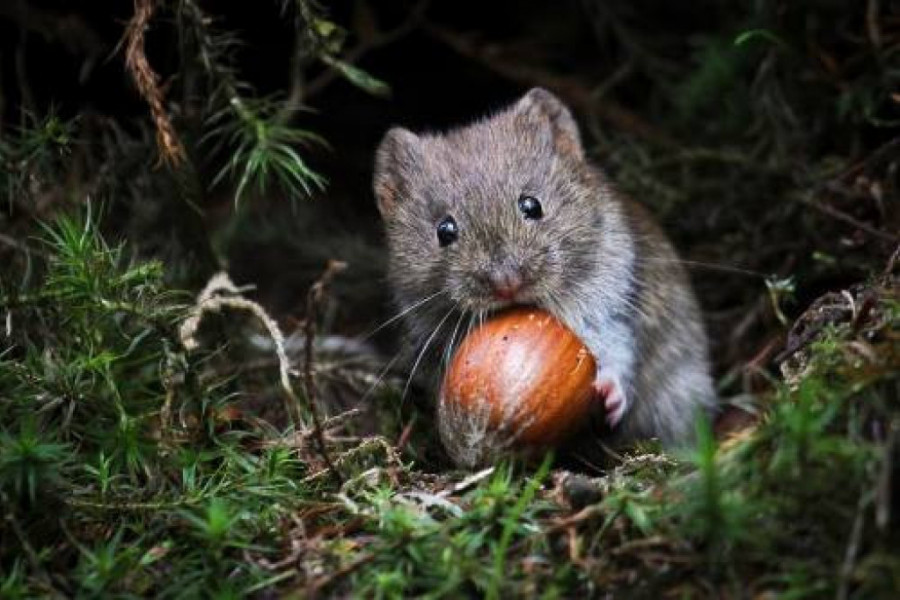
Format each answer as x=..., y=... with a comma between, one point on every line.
x=521, y=379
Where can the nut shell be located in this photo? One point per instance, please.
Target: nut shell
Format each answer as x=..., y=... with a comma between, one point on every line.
x=521, y=379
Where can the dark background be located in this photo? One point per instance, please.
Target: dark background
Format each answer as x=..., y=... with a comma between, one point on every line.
x=776, y=125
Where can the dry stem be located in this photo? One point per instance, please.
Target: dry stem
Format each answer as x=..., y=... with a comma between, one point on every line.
x=147, y=81
x=313, y=298
x=210, y=300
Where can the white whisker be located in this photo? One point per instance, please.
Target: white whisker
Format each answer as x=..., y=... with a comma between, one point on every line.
x=380, y=378
x=402, y=313
x=704, y=265
x=423, y=351
x=448, y=352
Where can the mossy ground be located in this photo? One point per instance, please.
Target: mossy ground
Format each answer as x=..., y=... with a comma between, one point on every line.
x=130, y=467
x=144, y=452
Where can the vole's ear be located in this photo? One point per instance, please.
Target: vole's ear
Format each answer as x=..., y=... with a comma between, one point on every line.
x=395, y=159
x=541, y=105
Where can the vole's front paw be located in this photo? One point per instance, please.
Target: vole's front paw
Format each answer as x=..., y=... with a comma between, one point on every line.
x=611, y=392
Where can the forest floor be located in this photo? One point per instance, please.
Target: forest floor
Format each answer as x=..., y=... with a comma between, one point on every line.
x=192, y=400
x=117, y=494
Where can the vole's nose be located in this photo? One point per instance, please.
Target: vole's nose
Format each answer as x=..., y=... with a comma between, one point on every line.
x=505, y=283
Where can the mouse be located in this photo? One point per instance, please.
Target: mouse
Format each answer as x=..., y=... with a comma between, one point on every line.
x=508, y=210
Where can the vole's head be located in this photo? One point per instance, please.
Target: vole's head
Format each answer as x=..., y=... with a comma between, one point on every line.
x=503, y=211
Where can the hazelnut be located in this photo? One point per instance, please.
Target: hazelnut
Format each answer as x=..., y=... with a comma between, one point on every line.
x=522, y=379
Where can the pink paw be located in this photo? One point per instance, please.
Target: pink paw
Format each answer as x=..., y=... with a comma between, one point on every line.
x=613, y=400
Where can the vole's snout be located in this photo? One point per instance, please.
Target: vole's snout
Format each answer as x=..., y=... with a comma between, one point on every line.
x=505, y=283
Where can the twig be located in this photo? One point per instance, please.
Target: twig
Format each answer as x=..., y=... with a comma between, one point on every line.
x=207, y=58
x=313, y=298
x=122, y=506
x=884, y=487
x=12, y=242
x=315, y=587
x=842, y=216
x=147, y=82
x=371, y=43
x=405, y=435
x=585, y=514
x=572, y=89
x=27, y=548
x=210, y=301
x=872, y=28
x=362, y=448
x=893, y=261
x=888, y=150
x=852, y=547
x=466, y=483
x=298, y=65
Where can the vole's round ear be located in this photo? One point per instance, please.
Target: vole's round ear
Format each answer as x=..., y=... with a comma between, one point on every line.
x=395, y=161
x=540, y=104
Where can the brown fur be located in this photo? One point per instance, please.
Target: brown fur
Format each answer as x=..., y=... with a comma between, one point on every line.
x=595, y=260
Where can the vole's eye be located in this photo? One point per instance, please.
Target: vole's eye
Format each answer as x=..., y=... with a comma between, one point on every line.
x=447, y=231
x=530, y=207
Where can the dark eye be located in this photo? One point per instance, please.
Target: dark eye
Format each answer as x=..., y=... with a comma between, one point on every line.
x=447, y=231
x=530, y=207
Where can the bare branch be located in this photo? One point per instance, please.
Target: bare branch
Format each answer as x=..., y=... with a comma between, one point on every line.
x=313, y=299
x=147, y=81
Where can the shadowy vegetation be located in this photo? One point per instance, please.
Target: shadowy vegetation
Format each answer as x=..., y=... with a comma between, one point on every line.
x=159, y=442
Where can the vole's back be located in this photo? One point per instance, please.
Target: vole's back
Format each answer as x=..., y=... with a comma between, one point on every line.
x=671, y=349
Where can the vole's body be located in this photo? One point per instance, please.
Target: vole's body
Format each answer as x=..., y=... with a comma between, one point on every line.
x=594, y=259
